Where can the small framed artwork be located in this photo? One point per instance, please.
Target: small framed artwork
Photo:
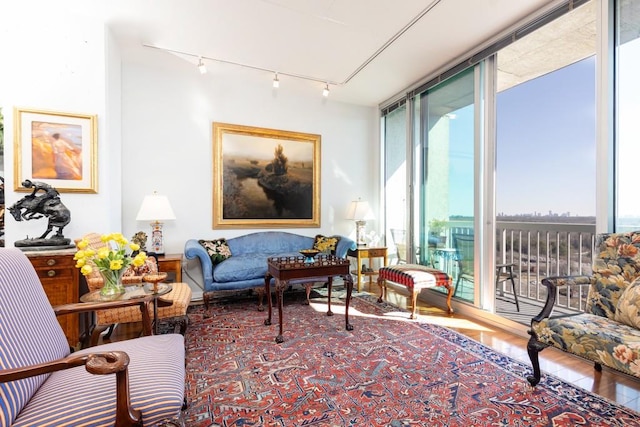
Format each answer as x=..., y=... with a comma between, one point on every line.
x=265, y=178
x=57, y=148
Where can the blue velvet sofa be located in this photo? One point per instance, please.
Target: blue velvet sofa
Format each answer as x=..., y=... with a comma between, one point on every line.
x=247, y=266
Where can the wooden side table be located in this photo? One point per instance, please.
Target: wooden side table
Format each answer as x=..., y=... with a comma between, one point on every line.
x=365, y=252
x=171, y=263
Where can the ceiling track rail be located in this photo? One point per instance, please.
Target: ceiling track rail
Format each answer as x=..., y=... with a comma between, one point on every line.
x=357, y=71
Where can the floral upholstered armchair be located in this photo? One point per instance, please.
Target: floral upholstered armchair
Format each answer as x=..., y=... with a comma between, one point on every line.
x=608, y=333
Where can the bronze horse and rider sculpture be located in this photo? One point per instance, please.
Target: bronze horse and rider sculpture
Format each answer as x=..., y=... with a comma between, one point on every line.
x=47, y=204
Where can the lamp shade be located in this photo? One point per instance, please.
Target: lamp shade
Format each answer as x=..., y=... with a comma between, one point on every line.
x=359, y=210
x=155, y=207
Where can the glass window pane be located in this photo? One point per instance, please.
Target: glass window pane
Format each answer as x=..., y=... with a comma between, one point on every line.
x=628, y=112
x=447, y=190
x=395, y=142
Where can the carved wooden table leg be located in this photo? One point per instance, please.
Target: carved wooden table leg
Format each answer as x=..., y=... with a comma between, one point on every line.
x=329, y=283
x=267, y=286
x=349, y=281
x=280, y=286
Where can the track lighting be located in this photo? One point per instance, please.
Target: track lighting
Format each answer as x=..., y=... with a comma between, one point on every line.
x=276, y=81
x=201, y=66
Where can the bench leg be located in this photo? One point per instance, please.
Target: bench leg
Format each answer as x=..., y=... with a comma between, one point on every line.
x=414, y=303
x=450, y=293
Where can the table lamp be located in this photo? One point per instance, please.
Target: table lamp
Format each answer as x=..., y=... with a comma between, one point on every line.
x=360, y=212
x=156, y=208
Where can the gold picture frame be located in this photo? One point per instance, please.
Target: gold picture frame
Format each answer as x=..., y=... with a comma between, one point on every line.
x=265, y=178
x=57, y=148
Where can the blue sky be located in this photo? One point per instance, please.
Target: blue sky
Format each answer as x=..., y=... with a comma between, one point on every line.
x=546, y=156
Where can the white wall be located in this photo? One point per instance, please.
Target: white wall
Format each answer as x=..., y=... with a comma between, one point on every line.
x=56, y=61
x=167, y=117
x=154, y=128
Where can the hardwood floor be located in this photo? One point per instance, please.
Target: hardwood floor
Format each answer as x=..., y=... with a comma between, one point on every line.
x=612, y=385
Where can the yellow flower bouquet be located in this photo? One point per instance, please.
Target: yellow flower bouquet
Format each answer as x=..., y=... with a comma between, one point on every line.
x=111, y=260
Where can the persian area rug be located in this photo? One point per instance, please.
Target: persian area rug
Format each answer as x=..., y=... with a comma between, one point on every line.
x=388, y=371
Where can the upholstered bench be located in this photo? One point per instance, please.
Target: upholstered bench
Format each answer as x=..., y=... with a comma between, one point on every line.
x=415, y=278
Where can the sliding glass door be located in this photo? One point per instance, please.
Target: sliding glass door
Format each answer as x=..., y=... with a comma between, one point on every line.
x=446, y=184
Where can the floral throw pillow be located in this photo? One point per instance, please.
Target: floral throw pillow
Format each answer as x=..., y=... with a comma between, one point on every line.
x=217, y=249
x=326, y=244
x=628, y=305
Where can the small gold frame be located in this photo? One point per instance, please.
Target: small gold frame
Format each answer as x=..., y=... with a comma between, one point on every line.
x=57, y=148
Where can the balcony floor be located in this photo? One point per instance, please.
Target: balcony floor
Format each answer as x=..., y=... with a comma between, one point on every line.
x=506, y=307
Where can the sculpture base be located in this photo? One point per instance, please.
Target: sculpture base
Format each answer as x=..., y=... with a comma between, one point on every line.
x=43, y=244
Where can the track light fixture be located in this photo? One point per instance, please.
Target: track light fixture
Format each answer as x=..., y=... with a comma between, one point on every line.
x=201, y=66
x=276, y=81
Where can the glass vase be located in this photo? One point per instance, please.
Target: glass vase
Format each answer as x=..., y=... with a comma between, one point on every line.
x=112, y=287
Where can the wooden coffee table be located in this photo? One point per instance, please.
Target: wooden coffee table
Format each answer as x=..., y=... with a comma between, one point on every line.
x=298, y=269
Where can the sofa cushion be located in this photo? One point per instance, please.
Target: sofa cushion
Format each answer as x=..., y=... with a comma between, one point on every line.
x=245, y=267
x=326, y=244
x=269, y=242
x=629, y=304
x=593, y=337
x=218, y=250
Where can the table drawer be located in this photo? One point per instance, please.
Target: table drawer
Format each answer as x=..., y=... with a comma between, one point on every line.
x=52, y=262
x=377, y=252
x=61, y=273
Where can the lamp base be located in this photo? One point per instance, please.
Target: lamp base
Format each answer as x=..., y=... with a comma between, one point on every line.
x=157, y=241
x=361, y=233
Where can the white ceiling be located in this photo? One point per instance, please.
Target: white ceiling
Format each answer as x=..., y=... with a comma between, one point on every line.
x=370, y=49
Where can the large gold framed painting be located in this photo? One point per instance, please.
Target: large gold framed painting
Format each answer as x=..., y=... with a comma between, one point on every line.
x=265, y=178
x=56, y=147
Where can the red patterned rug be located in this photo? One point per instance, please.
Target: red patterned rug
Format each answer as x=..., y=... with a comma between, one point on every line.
x=388, y=371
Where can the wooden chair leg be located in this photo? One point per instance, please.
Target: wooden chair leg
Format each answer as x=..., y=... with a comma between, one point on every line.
x=110, y=331
x=183, y=321
x=515, y=293
x=95, y=334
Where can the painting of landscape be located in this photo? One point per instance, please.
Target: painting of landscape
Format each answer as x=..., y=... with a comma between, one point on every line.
x=265, y=177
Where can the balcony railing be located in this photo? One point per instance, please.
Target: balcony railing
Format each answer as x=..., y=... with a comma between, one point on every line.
x=538, y=249
x=542, y=250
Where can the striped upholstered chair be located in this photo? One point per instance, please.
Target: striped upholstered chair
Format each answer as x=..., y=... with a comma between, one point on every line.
x=128, y=383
